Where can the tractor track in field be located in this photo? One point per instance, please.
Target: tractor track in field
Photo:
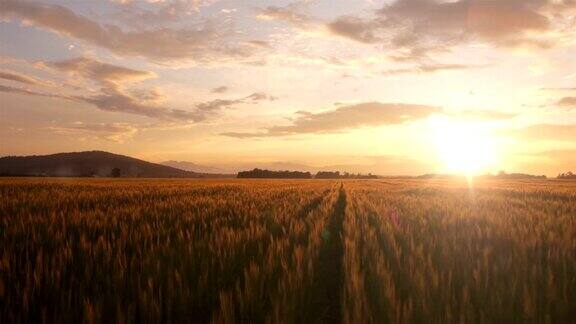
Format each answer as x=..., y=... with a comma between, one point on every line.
x=325, y=304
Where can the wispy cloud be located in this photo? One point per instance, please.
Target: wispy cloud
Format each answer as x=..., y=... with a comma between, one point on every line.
x=260, y=96
x=429, y=68
x=21, y=78
x=481, y=114
x=116, y=96
x=345, y=117
x=559, y=89
x=356, y=28
x=221, y=89
x=206, y=43
x=161, y=12
x=290, y=14
x=567, y=102
x=562, y=160
x=115, y=132
x=546, y=132
x=22, y=91
x=98, y=71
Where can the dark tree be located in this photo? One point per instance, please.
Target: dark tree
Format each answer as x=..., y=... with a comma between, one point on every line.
x=567, y=175
x=328, y=175
x=115, y=173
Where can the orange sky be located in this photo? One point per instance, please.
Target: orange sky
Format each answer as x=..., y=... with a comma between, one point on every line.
x=389, y=87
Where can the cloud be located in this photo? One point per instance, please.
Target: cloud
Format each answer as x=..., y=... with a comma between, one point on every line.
x=22, y=91
x=431, y=68
x=481, y=114
x=221, y=89
x=205, y=44
x=546, y=132
x=154, y=95
x=551, y=162
x=346, y=117
x=21, y=78
x=261, y=96
x=565, y=102
x=355, y=28
x=213, y=106
x=494, y=21
x=100, y=72
x=114, y=96
x=558, y=89
x=115, y=132
x=114, y=99
x=569, y=102
x=561, y=160
x=563, y=157
x=208, y=108
x=415, y=28
x=258, y=43
x=566, y=155
x=161, y=11
x=287, y=14
x=384, y=165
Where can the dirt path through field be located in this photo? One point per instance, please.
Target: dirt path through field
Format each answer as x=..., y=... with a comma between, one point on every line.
x=326, y=301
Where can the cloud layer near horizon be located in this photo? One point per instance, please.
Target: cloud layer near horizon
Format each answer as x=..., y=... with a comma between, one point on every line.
x=546, y=132
x=115, y=132
x=346, y=117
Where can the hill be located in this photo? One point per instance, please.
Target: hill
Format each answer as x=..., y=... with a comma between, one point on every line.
x=88, y=164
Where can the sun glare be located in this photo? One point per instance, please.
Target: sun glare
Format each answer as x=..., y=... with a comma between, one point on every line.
x=464, y=147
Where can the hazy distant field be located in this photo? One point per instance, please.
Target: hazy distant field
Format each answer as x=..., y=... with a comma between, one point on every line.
x=287, y=251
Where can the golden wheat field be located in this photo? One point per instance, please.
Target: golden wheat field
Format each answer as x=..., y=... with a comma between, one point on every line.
x=287, y=251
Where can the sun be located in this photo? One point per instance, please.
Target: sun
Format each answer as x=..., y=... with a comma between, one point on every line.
x=464, y=147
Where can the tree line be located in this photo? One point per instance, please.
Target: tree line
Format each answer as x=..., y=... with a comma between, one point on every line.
x=567, y=175
x=268, y=174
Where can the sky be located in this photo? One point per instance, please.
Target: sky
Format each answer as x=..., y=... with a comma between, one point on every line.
x=389, y=87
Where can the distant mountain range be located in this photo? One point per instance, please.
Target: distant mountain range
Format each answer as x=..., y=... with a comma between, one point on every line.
x=193, y=167
x=86, y=164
